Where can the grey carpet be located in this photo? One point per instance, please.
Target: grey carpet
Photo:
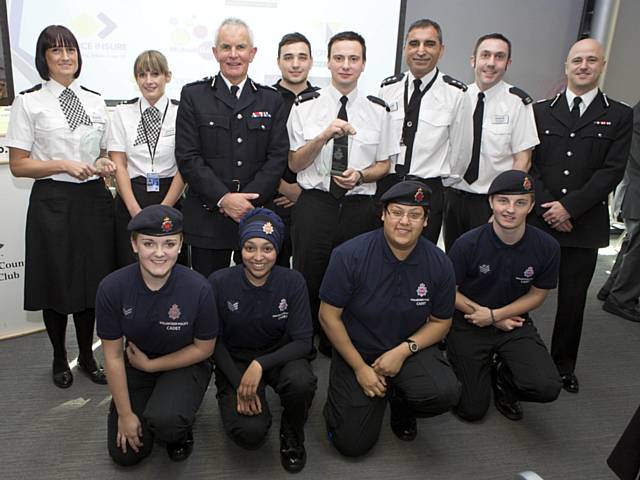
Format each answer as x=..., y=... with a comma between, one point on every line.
x=60, y=434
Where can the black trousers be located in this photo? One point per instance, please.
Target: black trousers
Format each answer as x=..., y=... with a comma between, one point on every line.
x=295, y=384
x=321, y=223
x=426, y=384
x=436, y=209
x=463, y=211
x=533, y=376
x=577, y=266
x=624, y=459
x=205, y=261
x=165, y=403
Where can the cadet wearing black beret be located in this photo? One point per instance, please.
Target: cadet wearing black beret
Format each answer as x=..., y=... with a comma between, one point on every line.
x=387, y=301
x=167, y=315
x=504, y=269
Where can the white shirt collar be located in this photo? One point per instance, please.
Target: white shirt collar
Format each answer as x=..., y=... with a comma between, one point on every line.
x=587, y=98
x=56, y=88
x=160, y=104
x=336, y=95
x=228, y=83
x=425, y=80
x=490, y=92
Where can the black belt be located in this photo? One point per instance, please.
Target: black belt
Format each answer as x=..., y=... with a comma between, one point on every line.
x=346, y=198
x=140, y=180
x=403, y=178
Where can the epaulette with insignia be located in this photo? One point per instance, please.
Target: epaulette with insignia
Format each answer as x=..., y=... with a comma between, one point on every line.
x=35, y=88
x=392, y=79
x=306, y=96
x=175, y=102
x=456, y=83
x=378, y=101
x=524, y=96
x=87, y=90
x=129, y=102
x=202, y=80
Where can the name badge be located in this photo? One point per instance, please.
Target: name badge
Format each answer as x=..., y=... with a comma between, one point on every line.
x=153, y=182
x=500, y=119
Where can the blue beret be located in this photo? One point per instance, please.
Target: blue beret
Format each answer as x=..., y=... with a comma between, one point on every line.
x=514, y=182
x=409, y=192
x=262, y=223
x=157, y=220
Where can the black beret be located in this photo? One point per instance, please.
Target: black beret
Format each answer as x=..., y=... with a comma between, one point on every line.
x=514, y=182
x=409, y=192
x=157, y=221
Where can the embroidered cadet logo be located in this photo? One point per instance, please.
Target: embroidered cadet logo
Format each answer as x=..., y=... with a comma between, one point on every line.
x=167, y=224
x=283, y=305
x=267, y=228
x=127, y=311
x=419, y=196
x=484, y=268
x=528, y=273
x=174, y=312
x=232, y=306
x=421, y=290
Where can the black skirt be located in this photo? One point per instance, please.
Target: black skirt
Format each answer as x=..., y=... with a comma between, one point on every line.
x=69, y=244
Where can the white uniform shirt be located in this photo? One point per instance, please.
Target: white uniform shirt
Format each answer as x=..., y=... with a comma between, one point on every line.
x=587, y=98
x=508, y=127
x=38, y=125
x=374, y=140
x=444, y=137
x=124, y=130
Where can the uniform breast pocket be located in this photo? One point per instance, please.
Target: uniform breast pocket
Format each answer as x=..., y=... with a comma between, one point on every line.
x=433, y=126
x=496, y=139
x=551, y=141
x=365, y=143
x=596, y=142
x=214, y=133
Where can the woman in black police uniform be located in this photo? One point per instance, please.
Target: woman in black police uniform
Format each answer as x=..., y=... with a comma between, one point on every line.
x=56, y=135
x=141, y=143
x=266, y=339
x=168, y=316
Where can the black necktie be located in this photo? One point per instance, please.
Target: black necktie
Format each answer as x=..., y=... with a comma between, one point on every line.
x=73, y=109
x=575, y=110
x=234, y=92
x=415, y=96
x=471, y=175
x=149, y=128
x=340, y=158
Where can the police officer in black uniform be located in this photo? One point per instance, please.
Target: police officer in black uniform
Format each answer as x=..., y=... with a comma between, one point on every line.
x=387, y=300
x=504, y=269
x=584, y=144
x=231, y=148
x=295, y=62
x=167, y=314
x=266, y=340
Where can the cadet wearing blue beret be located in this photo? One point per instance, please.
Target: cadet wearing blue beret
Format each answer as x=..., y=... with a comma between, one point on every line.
x=504, y=269
x=167, y=314
x=266, y=339
x=387, y=301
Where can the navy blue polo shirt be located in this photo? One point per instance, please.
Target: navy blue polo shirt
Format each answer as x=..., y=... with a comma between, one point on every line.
x=385, y=300
x=260, y=318
x=495, y=274
x=159, y=322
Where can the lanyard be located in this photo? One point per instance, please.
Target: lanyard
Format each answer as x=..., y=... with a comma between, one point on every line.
x=426, y=89
x=152, y=154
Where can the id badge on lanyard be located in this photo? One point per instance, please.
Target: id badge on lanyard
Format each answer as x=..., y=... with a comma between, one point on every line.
x=153, y=181
x=153, y=178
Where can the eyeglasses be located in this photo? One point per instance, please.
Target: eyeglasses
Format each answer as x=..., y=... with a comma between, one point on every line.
x=413, y=216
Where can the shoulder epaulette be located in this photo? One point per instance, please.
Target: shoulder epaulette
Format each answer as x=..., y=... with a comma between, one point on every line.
x=392, y=79
x=306, y=96
x=129, y=102
x=456, y=83
x=35, y=88
x=175, y=102
x=267, y=87
x=554, y=100
x=378, y=101
x=524, y=96
x=202, y=80
x=88, y=90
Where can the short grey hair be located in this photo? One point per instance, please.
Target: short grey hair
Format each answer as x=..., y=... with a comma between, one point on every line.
x=234, y=22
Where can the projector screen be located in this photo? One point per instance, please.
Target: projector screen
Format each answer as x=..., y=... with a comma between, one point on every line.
x=112, y=33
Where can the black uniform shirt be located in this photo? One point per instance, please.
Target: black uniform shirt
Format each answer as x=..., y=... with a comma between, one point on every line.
x=385, y=300
x=159, y=322
x=494, y=274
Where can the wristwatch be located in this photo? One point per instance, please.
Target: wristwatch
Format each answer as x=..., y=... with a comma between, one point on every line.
x=413, y=346
x=360, y=178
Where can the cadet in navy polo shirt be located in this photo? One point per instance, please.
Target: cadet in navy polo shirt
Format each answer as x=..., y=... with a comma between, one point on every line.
x=504, y=269
x=167, y=314
x=387, y=300
x=266, y=339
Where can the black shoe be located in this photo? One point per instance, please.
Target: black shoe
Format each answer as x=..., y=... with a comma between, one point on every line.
x=293, y=455
x=403, y=424
x=621, y=310
x=63, y=379
x=503, y=400
x=602, y=294
x=180, y=451
x=94, y=371
x=570, y=383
